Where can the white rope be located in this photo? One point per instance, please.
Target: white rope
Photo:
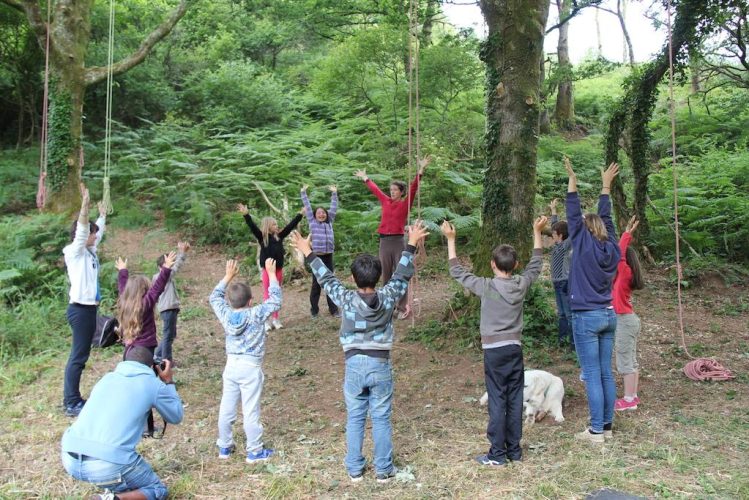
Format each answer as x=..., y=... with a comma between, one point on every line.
x=106, y=197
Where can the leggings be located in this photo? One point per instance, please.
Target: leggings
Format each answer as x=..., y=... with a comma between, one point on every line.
x=266, y=284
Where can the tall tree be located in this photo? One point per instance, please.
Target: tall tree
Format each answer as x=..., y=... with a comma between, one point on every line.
x=69, y=35
x=631, y=116
x=512, y=52
x=564, y=111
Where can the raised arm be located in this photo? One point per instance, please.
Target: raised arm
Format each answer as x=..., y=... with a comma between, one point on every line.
x=325, y=277
x=182, y=248
x=307, y=206
x=533, y=269
x=157, y=287
x=333, y=203
x=604, y=203
x=82, y=229
x=474, y=283
x=217, y=298
x=253, y=228
x=290, y=226
x=273, y=302
x=572, y=204
x=414, y=189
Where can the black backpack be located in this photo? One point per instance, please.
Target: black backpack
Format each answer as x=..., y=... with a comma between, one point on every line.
x=107, y=332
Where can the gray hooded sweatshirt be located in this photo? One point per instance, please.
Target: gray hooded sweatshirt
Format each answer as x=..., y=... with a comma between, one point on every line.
x=501, y=300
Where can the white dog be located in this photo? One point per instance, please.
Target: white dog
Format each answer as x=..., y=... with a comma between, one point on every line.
x=542, y=394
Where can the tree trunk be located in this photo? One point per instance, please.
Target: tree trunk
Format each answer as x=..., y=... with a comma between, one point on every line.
x=634, y=110
x=544, y=122
x=69, y=35
x=512, y=53
x=598, y=35
x=564, y=111
x=621, y=8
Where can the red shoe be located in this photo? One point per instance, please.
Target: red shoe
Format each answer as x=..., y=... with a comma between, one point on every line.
x=623, y=404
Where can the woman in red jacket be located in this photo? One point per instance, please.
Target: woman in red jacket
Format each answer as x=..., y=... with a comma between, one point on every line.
x=392, y=223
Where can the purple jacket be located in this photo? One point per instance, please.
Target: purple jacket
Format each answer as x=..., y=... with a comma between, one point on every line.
x=322, y=232
x=147, y=335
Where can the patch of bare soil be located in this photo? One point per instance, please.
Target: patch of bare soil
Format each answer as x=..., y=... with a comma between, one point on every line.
x=687, y=438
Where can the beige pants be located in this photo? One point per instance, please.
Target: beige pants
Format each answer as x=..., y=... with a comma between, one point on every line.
x=627, y=331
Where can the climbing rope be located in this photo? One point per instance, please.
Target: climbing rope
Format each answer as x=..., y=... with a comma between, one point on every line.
x=41, y=192
x=697, y=368
x=414, y=146
x=105, y=195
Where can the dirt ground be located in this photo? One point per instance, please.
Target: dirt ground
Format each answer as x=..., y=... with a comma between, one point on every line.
x=687, y=439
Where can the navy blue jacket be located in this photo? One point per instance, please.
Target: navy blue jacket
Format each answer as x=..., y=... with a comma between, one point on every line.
x=594, y=262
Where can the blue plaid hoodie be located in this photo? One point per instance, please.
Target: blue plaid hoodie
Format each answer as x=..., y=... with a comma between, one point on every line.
x=364, y=326
x=245, y=328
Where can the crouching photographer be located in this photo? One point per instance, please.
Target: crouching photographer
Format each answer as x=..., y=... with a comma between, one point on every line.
x=99, y=447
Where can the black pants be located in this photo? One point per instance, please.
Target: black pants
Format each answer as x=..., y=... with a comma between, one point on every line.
x=82, y=320
x=314, y=293
x=503, y=370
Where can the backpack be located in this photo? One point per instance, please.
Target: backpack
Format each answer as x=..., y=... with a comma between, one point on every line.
x=107, y=332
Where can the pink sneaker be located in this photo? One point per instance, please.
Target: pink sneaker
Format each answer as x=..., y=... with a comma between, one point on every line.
x=623, y=404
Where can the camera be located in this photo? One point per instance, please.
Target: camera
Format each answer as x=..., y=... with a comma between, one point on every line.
x=159, y=362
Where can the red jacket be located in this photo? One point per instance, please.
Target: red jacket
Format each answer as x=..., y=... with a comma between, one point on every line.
x=622, y=292
x=394, y=213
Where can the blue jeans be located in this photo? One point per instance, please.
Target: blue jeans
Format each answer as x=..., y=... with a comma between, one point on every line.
x=594, y=340
x=169, y=319
x=368, y=386
x=564, y=313
x=117, y=478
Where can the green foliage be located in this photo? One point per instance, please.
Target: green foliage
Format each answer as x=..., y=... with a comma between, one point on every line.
x=19, y=171
x=713, y=204
x=234, y=96
x=61, y=142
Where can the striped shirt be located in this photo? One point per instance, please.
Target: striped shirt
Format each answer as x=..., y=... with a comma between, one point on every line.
x=560, y=257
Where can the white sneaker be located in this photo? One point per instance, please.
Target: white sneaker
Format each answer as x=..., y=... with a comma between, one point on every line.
x=268, y=326
x=277, y=324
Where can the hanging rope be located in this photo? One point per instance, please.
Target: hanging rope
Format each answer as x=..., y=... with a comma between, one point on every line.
x=41, y=192
x=414, y=146
x=105, y=195
x=698, y=368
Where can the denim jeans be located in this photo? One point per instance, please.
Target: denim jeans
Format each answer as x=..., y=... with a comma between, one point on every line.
x=594, y=340
x=117, y=478
x=169, y=319
x=243, y=380
x=82, y=320
x=368, y=385
x=564, y=313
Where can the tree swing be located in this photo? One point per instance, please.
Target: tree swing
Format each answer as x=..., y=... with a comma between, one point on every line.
x=41, y=195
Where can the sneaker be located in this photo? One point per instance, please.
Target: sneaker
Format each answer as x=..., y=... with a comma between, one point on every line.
x=268, y=326
x=485, y=460
x=586, y=435
x=384, y=477
x=107, y=495
x=314, y=315
x=260, y=456
x=623, y=404
x=223, y=453
x=608, y=434
x=277, y=324
x=356, y=478
x=74, y=410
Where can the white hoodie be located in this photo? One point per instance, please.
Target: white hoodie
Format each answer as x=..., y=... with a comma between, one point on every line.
x=83, y=265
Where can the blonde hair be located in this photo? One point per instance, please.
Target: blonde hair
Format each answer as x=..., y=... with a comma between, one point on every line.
x=265, y=226
x=595, y=225
x=130, y=308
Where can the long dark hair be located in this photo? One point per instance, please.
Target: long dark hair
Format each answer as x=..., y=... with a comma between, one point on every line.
x=633, y=262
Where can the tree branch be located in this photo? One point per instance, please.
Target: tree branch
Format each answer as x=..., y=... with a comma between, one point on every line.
x=33, y=16
x=13, y=3
x=98, y=73
x=576, y=8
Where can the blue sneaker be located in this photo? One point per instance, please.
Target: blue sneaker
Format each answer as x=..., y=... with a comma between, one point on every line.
x=223, y=453
x=485, y=460
x=74, y=410
x=260, y=456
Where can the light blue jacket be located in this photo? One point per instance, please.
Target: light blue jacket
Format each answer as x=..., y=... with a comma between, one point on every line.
x=112, y=421
x=245, y=328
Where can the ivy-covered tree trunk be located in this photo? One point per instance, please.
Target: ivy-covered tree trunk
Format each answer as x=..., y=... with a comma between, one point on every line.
x=69, y=35
x=564, y=111
x=632, y=115
x=512, y=54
